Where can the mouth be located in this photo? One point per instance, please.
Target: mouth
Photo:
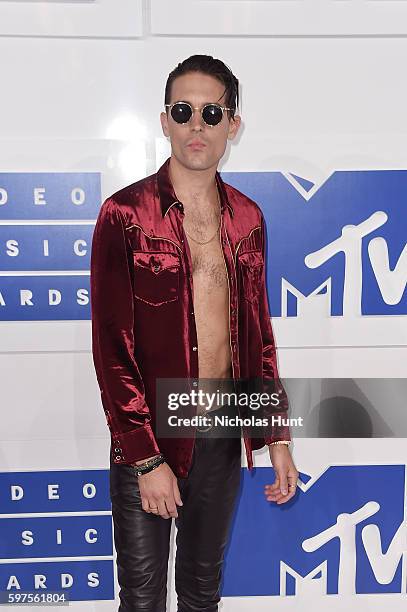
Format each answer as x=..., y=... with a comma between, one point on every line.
x=196, y=145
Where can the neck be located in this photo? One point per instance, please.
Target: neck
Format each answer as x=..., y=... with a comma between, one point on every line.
x=194, y=187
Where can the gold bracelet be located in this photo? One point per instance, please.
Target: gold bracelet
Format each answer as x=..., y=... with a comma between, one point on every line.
x=148, y=462
x=286, y=442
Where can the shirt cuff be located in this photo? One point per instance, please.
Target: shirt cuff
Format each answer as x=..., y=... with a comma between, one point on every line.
x=277, y=433
x=134, y=445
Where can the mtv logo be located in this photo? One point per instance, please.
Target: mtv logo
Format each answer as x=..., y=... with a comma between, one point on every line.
x=339, y=249
x=343, y=533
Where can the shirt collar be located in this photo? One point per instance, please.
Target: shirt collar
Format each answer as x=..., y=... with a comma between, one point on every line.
x=167, y=193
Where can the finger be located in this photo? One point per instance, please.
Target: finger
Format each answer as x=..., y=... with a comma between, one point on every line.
x=145, y=504
x=171, y=507
x=153, y=508
x=177, y=494
x=274, y=492
x=162, y=509
x=273, y=487
x=292, y=484
x=283, y=483
x=277, y=495
x=280, y=498
x=285, y=499
x=274, y=496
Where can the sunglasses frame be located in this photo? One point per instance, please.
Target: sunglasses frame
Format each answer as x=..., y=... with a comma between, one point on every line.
x=200, y=108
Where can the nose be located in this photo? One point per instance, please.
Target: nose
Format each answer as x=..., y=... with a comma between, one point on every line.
x=196, y=120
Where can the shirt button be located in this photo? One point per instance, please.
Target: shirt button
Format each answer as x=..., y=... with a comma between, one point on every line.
x=194, y=348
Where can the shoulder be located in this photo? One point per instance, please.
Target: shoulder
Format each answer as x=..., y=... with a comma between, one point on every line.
x=125, y=202
x=134, y=192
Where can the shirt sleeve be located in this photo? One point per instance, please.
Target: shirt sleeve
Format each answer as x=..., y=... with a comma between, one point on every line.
x=112, y=309
x=271, y=380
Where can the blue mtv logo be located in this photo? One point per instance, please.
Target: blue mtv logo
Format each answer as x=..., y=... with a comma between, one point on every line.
x=339, y=249
x=343, y=533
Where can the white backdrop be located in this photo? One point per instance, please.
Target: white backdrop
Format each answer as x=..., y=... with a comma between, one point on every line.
x=82, y=88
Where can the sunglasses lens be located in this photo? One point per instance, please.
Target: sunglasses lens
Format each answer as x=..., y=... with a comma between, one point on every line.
x=212, y=114
x=181, y=112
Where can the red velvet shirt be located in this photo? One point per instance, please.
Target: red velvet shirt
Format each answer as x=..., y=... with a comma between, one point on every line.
x=143, y=324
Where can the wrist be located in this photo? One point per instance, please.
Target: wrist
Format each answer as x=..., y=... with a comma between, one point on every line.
x=149, y=465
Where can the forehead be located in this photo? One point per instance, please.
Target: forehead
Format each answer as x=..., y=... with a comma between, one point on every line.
x=197, y=87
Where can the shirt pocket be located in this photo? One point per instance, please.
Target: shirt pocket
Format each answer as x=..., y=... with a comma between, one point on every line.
x=251, y=265
x=156, y=277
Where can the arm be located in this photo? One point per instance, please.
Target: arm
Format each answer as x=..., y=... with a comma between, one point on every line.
x=271, y=380
x=121, y=386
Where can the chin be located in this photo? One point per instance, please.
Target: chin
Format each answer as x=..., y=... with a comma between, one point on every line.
x=203, y=159
x=197, y=161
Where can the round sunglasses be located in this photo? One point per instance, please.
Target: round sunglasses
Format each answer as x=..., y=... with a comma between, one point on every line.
x=211, y=113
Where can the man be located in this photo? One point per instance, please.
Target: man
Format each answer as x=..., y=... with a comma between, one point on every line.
x=178, y=292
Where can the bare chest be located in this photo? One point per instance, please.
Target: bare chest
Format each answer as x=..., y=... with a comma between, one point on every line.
x=208, y=265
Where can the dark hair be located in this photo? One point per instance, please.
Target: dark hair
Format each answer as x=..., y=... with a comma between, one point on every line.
x=213, y=67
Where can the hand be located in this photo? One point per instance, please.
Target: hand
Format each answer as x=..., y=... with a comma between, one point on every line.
x=285, y=485
x=159, y=492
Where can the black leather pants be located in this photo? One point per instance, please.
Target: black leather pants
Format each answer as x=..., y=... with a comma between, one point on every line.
x=209, y=496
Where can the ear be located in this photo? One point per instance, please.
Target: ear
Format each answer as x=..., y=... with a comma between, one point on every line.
x=164, y=123
x=234, y=125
